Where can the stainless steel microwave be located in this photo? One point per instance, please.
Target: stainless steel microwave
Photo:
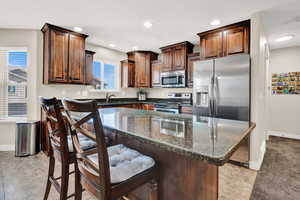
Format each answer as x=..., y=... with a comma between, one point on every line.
x=175, y=79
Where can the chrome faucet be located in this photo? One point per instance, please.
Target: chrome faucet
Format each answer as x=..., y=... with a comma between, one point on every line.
x=109, y=96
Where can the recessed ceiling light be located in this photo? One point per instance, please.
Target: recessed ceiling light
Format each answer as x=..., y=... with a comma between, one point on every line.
x=148, y=24
x=215, y=22
x=77, y=29
x=134, y=48
x=112, y=45
x=284, y=38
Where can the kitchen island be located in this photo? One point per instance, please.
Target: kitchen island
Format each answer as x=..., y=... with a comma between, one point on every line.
x=187, y=148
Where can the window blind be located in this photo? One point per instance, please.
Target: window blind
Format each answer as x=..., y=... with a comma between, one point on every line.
x=13, y=83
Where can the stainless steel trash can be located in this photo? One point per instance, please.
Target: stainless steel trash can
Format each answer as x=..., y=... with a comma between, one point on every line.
x=27, y=138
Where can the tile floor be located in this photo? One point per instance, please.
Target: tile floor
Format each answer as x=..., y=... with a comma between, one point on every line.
x=25, y=179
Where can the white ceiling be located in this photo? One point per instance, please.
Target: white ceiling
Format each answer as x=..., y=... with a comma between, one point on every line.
x=121, y=21
x=280, y=21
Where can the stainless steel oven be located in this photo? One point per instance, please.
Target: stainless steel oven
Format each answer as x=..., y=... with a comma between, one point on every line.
x=175, y=79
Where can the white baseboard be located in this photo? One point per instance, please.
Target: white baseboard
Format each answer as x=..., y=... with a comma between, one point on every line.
x=7, y=147
x=255, y=165
x=284, y=134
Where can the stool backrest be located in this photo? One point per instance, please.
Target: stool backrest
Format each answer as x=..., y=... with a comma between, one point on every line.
x=84, y=118
x=56, y=126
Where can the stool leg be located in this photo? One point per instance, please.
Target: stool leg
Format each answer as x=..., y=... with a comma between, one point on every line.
x=50, y=175
x=153, y=194
x=78, y=187
x=64, y=180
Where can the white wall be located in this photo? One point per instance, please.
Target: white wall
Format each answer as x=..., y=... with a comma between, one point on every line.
x=259, y=50
x=283, y=110
x=28, y=39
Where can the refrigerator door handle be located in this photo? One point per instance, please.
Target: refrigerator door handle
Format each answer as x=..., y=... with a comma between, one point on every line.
x=216, y=95
x=211, y=97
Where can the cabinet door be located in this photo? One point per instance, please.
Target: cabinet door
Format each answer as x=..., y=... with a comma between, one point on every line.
x=167, y=60
x=236, y=40
x=190, y=69
x=58, y=69
x=211, y=45
x=179, y=58
x=156, y=68
x=142, y=63
x=76, y=59
x=127, y=71
x=89, y=58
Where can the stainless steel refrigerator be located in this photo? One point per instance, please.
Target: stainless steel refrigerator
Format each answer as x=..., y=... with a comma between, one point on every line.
x=222, y=90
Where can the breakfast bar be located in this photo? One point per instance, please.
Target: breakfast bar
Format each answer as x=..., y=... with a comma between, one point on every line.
x=187, y=148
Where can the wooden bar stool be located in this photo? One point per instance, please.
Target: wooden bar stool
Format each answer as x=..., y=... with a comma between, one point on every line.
x=61, y=150
x=109, y=173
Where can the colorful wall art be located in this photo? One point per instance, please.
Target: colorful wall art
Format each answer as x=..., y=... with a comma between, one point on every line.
x=286, y=83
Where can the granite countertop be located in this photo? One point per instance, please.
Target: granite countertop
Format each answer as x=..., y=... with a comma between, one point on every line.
x=209, y=139
x=124, y=102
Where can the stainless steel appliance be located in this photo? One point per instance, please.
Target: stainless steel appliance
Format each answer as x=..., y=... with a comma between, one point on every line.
x=222, y=87
x=173, y=103
x=222, y=90
x=27, y=138
x=175, y=79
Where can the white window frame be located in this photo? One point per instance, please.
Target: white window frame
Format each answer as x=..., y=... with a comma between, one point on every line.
x=117, y=78
x=15, y=49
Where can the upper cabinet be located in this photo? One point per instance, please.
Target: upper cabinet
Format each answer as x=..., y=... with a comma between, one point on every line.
x=127, y=74
x=236, y=40
x=89, y=58
x=192, y=58
x=211, y=45
x=156, y=70
x=174, y=57
x=225, y=41
x=142, y=67
x=64, y=55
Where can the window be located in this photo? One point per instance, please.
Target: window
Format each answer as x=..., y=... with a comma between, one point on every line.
x=13, y=82
x=105, y=76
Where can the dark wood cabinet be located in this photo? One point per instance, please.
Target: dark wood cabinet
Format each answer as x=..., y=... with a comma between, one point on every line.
x=167, y=60
x=127, y=74
x=89, y=59
x=156, y=70
x=142, y=65
x=76, y=59
x=191, y=62
x=236, y=40
x=142, y=68
x=211, y=45
x=64, y=55
x=179, y=59
x=147, y=107
x=174, y=57
x=225, y=41
x=56, y=56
